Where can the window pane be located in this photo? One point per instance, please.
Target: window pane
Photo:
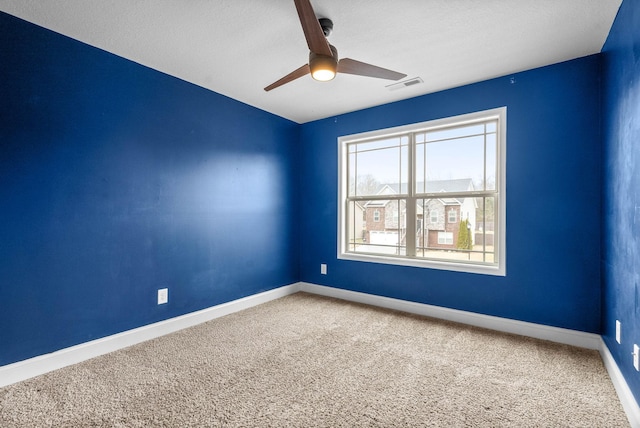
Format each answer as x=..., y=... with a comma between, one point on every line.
x=381, y=228
x=462, y=240
x=461, y=158
x=351, y=174
x=374, y=164
x=456, y=132
x=484, y=231
x=404, y=169
x=355, y=225
x=438, y=232
x=420, y=171
x=491, y=162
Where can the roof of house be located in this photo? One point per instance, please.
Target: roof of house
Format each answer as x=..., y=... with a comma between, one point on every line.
x=433, y=186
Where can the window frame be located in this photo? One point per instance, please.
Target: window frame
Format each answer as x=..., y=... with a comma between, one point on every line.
x=499, y=267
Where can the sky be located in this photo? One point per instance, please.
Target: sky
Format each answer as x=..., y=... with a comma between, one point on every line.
x=440, y=155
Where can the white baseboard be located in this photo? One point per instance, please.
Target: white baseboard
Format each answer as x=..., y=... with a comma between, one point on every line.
x=628, y=401
x=36, y=366
x=522, y=328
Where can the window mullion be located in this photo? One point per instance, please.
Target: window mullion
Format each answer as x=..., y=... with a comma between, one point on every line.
x=410, y=216
x=484, y=160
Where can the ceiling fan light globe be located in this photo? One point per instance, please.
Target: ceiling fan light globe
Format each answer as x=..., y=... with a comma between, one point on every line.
x=323, y=75
x=323, y=68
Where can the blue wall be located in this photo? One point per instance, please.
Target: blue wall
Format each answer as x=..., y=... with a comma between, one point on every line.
x=553, y=200
x=621, y=201
x=117, y=180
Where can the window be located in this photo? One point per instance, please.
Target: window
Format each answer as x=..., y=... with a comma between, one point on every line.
x=445, y=238
x=453, y=216
x=433, y=169
x=376, y=215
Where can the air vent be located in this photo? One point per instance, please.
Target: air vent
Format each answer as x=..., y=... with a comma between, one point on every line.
x=404, y=84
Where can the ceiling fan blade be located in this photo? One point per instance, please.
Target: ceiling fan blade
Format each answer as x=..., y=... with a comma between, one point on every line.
x=351, y=66
x=316, y=40
x=304, y=70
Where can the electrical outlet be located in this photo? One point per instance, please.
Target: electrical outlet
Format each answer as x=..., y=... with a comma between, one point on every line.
x=323, y=269
x=163, y=296
x=618, y=328
x=636, y=357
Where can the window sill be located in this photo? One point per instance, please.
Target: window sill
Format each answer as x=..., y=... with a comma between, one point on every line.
x=429, y=264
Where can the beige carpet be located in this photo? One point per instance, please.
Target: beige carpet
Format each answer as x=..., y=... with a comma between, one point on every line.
x=307, y=361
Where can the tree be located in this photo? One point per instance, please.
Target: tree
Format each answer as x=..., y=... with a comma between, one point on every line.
x=464, y=236
x=485, y=211
x=367, y=185
x=364, y=185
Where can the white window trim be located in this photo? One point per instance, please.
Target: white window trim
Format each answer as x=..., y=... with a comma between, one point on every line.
x=500, y=269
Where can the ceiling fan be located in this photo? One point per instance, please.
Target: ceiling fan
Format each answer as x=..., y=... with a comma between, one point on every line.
x=323, y=57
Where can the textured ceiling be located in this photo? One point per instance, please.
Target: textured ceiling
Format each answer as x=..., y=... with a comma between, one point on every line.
x=237, y=47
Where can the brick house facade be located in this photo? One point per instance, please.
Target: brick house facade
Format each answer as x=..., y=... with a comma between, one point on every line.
x=438, y=219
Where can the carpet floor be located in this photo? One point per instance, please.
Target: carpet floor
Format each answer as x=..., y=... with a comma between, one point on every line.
x=310, y=361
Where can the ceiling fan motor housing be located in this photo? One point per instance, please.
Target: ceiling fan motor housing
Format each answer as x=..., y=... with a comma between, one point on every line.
x=324, y=62
x=327, y=26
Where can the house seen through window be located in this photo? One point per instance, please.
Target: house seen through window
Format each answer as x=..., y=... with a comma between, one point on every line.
x=433, y=191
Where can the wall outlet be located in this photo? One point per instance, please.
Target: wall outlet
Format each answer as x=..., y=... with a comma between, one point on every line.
x=163, y=296
x=618, y=327
x=323, y=269
x=636, y=357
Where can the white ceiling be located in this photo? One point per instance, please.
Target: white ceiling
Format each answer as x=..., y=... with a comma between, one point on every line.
x=237, y=47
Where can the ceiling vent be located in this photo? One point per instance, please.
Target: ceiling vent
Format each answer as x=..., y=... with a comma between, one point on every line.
x=404, y=84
